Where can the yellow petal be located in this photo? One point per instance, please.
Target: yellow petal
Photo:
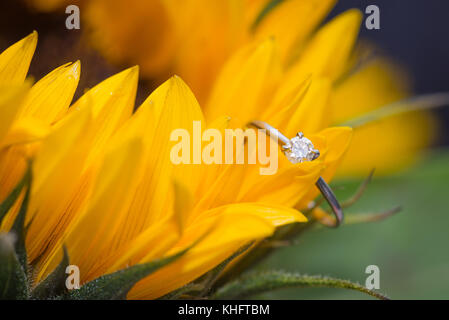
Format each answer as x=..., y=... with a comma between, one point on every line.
x=275, y=215
x=283, y=106
x=312, y=114
x=326, y=55
x=230, y=228
x=287, y=187
x=51, y=96
x=133, y=39
x=394, y=143
x=15, y=61
x=183, y=204
x=184, y=109
x=209, y=173
x=151, y=244
x=26, y=130
x=156, y=239
x=171, y=106
x=174, y=107
x=376, y=84
x=290, y=22
x=112, y=103
x=218, y=29
x=12, y=159
x=337, y=142
x=11, y=98
x=57, y=170
x=244, y=84
x=57, y=145
x=90, y=237
x=223, y=190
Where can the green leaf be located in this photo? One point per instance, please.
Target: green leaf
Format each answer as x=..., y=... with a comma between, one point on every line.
x=13, y=282
x=18, y=227
x=115, y=286
x=259, y=282
x=54, y=284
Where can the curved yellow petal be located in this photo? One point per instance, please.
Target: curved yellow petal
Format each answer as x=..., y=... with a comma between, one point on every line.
x=11, y=99
x=57, y=169
x=291, y=22
x=108, y=105
x=181, y=102
x=112, y=102
x=25, y=131
x=56, y=146
x=287, y=187
x=284, y=105
x=90, y=238
x=171, y=106
x=51, y=96
x=209, y=173
x=247, y=78
x=312, y=114
x=157, y=238
x=15, y=61
x=327, y=53
x=12, y=158
x=229, y=229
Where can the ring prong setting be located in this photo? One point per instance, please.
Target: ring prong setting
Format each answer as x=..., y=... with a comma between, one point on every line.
x=300, y=149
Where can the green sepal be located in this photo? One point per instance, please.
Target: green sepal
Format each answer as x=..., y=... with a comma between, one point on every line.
x=13, y=280
x=115, y=286
x=54, y=284
x=260, y=282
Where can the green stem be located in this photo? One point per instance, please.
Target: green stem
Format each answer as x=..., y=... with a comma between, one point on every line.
x=260, y=282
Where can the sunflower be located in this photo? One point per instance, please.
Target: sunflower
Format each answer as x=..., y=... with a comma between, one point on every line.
x=198, y=39
x=105, y=189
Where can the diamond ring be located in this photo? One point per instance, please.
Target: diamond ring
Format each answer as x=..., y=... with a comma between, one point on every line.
x=300, y=149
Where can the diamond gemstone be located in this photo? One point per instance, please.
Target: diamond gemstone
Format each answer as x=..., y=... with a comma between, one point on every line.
x=300, y=149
